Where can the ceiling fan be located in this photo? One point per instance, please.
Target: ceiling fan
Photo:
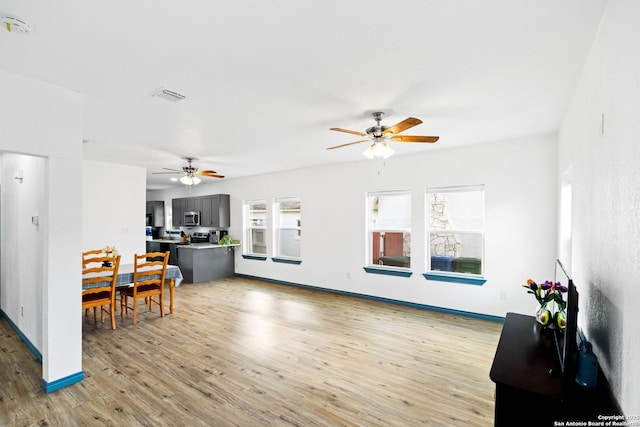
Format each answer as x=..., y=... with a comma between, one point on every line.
x=380, y=135
x=190, y=173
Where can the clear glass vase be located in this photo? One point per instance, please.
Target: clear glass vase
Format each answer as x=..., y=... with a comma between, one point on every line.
x=560, y=318
x=545, y=317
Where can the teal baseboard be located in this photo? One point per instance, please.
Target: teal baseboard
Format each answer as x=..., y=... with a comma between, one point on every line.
x=61, y=383
x=387, y=300
x=47, y=387
x=32, y=348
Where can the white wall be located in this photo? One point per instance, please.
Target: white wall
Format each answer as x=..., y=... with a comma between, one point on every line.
x=62, y=328
x=520, y=196
x=113, y=208
x=21, y=200
x=40, y=119
x=605, y=175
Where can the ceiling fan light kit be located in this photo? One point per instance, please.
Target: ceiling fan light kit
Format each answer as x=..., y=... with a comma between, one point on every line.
x=190, y=180
x=379, y=136
x=377, y=150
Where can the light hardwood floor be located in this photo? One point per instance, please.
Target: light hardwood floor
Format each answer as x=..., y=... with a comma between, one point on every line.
x=240, y=352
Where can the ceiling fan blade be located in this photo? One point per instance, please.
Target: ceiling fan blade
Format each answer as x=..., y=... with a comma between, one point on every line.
x=354, y=132
x=170, y=173
x=171, y=169
x=211, y=175
x=403, y=125
x=347, y=144
x=407, y=138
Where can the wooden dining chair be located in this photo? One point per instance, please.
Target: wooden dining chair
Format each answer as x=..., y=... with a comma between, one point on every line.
x=149, y=272
x=86, y=257
x=99, y=277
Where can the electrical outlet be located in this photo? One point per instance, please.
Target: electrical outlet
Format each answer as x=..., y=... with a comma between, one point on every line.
x=22, y=310
x=348, y=275
x=503, y=295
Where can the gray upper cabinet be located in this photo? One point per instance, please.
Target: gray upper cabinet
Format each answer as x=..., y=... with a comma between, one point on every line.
x=206, y=217
x=177, y=206
x=215, y=211
x=155, y=213
x=192, y=204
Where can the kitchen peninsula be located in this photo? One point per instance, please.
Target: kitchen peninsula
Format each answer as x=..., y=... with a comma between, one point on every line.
x=201, y=262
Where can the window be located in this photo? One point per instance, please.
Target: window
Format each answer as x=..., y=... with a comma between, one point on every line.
x=455, y=232
x=389, y=230
x=288, y=229
x=255, y=227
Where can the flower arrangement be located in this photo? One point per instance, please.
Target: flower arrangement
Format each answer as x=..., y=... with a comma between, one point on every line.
x=110, y=251
x=552, y=310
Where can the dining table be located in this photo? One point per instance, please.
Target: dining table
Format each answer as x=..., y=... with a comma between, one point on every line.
x=173, y=275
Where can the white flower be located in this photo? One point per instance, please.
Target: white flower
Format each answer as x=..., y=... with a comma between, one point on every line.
x=110, y=251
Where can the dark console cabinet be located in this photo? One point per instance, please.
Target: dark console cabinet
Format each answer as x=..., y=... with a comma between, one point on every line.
x=529, y=388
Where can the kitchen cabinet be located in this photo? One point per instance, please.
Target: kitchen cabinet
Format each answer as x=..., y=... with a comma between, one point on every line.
x=164, y=246
x=215, y=211
x=206, y=215
x=155, y=213
x=178, y=208
x=192, y=204
x=153, y=246
x=204, y=262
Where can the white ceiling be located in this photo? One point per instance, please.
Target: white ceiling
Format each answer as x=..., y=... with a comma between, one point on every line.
x=266, y=79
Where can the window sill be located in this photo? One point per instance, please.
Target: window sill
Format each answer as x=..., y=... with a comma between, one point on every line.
x=254, y=257
x=466, y=279
x=296, y=261
x=388, y=271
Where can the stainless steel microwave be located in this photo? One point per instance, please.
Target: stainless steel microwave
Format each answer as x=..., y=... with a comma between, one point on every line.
x=191, y=219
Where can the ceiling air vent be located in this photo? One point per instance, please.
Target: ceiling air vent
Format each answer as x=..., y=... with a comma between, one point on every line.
x=15, y=25
x=168, y=95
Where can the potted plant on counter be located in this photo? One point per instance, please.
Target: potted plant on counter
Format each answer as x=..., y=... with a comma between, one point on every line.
x=227, y=240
